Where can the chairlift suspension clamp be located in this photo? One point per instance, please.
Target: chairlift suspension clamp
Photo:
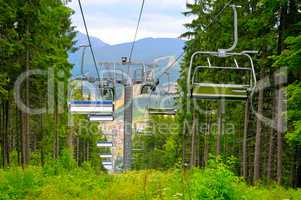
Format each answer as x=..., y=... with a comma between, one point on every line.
x=222, y=53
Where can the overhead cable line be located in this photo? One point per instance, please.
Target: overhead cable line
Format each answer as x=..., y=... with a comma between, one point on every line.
x=218, y=14
x=167, y=69
x=171, y=65
x=136, y=32
x=89, y=40
x=213, y=20
x=206, y=28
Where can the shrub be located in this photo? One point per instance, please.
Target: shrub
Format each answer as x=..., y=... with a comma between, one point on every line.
x=57, y=180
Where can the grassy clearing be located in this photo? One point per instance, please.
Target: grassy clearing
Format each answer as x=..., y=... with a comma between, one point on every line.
x=84, y=183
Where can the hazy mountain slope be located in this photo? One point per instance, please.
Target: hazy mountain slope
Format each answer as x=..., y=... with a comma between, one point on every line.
x=146, y=50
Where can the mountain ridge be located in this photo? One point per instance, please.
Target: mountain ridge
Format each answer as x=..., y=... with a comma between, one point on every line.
x=146, y=50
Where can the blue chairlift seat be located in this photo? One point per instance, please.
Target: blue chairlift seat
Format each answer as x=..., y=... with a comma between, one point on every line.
x=104, y=144
x=92, y=107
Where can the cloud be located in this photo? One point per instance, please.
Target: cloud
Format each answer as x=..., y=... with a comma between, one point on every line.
x=158, y=3
x=114, y=21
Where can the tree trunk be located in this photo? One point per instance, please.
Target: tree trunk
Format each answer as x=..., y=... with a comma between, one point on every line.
x=2, y=124
x=56, y=134
x=271, y=142
x=41, y=139
x=7, y=141
x=219, y=127
x=192, y=151
x=25, y=115
x=280, y=79
x=244, y=144
x=84, y=150
x=70, y=141
x=207, y=140
x=197, y=145
x=77, y=151
x=88, y=150
x=257, y=153
x=193, y=143
x=24, y=140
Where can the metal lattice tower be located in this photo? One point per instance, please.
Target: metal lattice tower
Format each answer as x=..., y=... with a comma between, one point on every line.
x=127, y=74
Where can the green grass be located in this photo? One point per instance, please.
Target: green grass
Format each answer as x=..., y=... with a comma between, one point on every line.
x=84, y=183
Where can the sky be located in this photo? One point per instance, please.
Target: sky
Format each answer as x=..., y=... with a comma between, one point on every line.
x=115, y=21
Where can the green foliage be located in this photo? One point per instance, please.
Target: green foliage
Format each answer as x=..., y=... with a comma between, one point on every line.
x=294, y=114
x=270, y=27
x=214, y=182
x=35, y=35
x=158, y=146
x=61, y=165
x=18, y=184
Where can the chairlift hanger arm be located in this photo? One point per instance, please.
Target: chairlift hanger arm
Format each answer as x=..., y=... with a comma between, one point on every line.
x=235, y=31
x=83, y=58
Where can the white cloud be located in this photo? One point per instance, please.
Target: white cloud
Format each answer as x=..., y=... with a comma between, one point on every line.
x=161, y=18
x=159, y=3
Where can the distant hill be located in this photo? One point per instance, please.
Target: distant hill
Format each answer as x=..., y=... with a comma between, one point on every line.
x=81, y=39
x=146, y=50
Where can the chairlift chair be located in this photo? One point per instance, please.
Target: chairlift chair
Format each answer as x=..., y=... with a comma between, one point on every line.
x=101, y=117
x=161, y=111
x=235, y=89
x=101, y=109
x=104, y=144
x=106, y=155
x=149, y=86
x=164, y=110
x=220, y=88
x=150, y=83
x=138, y=76
x=107, y=93
x=107, y=163
x=101, y=106
x=90, y=106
